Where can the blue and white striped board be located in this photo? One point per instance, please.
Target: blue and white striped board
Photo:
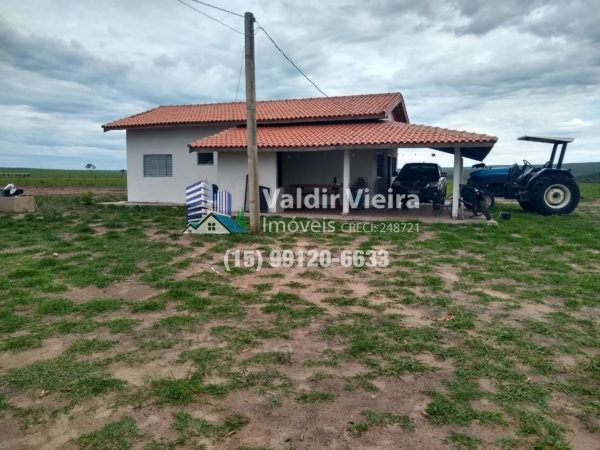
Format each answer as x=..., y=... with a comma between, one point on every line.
x=223, y=202
x=198, y=201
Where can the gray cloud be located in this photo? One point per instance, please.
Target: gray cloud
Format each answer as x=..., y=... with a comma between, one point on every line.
x=504, y=68
x=55, y=58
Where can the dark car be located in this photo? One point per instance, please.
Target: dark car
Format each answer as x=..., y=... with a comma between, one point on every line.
x=423, y=179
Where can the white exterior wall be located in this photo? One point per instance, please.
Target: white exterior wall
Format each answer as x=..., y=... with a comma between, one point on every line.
x=230, y=168
x=232, y=171
x=186, y=171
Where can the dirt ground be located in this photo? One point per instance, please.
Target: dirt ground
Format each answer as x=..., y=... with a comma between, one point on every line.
x=69, y=190
x=315, y=353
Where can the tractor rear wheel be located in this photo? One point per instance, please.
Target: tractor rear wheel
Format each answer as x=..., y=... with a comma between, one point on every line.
x=554, y=194
x=527, y=206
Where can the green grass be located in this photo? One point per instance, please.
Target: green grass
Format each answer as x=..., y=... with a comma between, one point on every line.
x=63, y=375
x=75, y=326
x=176, y=391
x=89, y=346
x=374, y=419
x=151, y=305
x=120, y=325
x=463, y=441
x=20, y=343
x=188, y=426
x=11, y=322
x=315, y=397
x=101, y=305
x=55, y=306
x=492, y=351
x=62, y=178
x=119, y=435
x=270, y=358
x=443, y=410
x=177, y=323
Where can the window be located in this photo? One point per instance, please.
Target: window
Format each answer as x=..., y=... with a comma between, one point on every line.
x=380, y=165
x=158, y=165
x=206, y=159
x=212, y=226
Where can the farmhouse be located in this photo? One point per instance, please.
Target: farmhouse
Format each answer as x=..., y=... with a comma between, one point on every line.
x=313, y=143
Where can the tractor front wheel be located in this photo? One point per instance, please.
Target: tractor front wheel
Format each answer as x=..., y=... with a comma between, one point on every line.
x=554, y=194
x=489, y=199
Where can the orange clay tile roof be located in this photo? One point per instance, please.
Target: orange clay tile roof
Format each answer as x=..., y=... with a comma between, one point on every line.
x=342, y=134
x=331, y=136
x=371, y=106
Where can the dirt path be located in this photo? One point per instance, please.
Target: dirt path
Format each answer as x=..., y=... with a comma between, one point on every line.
x=70, y=190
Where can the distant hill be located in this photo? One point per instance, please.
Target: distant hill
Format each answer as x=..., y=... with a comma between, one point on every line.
x=588, y=172
x=590, y=178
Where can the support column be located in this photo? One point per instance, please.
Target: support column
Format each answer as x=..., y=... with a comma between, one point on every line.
x=346, y=184
x=457, y=179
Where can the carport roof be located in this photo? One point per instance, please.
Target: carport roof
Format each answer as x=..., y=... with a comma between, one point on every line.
x=350, y=135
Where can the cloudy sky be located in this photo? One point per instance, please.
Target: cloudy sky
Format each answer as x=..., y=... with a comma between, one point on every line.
x=504, y=68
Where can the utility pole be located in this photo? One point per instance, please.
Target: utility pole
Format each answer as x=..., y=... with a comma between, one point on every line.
x=253, y=194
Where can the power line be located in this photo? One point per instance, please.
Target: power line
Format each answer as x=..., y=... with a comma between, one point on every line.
x=219, y=8
x=332, y=99
x=210, y=17
x=260, y=27
x=237, y=90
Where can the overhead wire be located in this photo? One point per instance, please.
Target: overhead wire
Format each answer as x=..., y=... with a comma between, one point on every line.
x=211, y=17
x=237, y=90
x=260, y=28
x=219, y=8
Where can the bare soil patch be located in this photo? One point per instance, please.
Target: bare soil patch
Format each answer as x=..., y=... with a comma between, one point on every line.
x=125, y=290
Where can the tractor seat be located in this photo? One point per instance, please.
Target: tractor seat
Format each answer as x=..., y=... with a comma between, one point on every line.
x=514, y=173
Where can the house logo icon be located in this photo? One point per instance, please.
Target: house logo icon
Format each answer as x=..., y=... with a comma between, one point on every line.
x=208, y=211
x=215, y=223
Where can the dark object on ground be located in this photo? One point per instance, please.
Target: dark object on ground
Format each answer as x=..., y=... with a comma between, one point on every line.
x=359, y=186
x=10, y=190
x=475, y=200
x=505, y=215
x=549, y=189
x=426, y=180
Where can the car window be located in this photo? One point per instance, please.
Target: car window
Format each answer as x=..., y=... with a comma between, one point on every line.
x=420, y=172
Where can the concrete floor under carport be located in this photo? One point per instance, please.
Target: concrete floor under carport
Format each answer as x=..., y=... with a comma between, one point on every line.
x=425, y=214
x=311, y=166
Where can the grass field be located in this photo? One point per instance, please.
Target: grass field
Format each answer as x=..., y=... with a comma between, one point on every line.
x=117, y=331
x=63, y=178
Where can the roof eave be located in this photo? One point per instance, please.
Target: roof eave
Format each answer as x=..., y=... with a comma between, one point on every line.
x=434, y=146
x=234, y=123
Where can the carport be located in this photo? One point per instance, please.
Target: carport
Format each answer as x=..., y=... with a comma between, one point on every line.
x=357, y=137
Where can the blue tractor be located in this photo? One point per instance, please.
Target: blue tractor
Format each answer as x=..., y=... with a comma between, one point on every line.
x=549, y=189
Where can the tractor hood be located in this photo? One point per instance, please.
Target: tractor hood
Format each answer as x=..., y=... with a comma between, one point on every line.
x=490, y=172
